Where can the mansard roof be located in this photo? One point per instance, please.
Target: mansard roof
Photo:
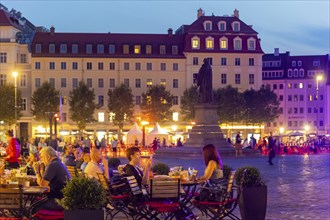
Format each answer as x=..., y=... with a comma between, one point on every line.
x=7, y=19
x=82, y=39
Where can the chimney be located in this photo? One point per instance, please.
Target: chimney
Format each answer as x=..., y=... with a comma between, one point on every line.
x=200, y=13
x=52, y=30
x=276, y=52
x=236, y=13
x=170, y=32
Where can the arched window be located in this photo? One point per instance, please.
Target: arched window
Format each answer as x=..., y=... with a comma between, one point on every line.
x=295, y=73
x=236, y=26
x=209, y=43
x=222, y=26
x=208, y=25
x=301, y=72
x=195, y=43
x=237, y=43
x=251, y=44
x=289, y=72
x=223, y=43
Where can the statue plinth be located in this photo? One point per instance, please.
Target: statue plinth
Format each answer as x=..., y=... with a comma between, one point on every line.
x=205, y=131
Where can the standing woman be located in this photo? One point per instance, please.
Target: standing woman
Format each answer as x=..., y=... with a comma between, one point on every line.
x=12, y=150
x=213, y=163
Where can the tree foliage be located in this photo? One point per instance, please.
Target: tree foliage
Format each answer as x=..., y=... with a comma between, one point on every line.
x=121, y=103
x=188, y=102
x=45, y=99
x=230, y=104
x=82, y=105
x=156, y=104
x=249, y=107
x=7, y=103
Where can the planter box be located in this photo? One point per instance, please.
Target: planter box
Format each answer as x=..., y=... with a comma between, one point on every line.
x=253, y=203
x=84, y=214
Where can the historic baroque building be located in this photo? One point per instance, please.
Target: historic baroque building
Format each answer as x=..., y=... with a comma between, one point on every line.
x=104, y=61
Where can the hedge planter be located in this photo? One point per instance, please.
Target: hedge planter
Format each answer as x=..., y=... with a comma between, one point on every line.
x=253, y=203
x=98, y=214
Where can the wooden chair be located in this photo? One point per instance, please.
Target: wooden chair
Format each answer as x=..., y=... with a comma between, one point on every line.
x=11, y=201
x=164, y=196
x=74, y=171
x=225, y=206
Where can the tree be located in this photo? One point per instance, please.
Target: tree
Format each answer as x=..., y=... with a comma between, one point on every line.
x=269, y=104
x=45, y=99
x=230, y=104
x=82, y=105
x=156, y=104
x=7, y=103
x=188, y=102
x=121, y=103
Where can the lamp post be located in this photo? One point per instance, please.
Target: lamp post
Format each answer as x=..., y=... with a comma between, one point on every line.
x=318, y=78
x=144, y=123
x=15, y=109
x=306, y=130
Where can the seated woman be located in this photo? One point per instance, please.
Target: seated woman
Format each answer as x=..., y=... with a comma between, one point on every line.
x=214, y=168
x=133, y=155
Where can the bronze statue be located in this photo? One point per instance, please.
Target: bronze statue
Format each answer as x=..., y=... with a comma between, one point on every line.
x=204, y=83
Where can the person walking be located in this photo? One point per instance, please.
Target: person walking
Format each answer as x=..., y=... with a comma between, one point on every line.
x=271, y=148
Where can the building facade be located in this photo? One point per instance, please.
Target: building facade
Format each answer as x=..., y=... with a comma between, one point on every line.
x=302, y=84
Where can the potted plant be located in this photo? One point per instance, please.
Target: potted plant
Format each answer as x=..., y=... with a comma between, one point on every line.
x=83, y=198
x=160, y=169
x=253, y=193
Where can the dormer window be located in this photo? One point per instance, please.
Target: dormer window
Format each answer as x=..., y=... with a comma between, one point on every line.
x=208, y=25
x=195, y=43
x=222, y=26
x=299, y=63
x=251, y=44
x=89, y=48
x=126, y=49
x=51, y=48
x=301, y=72
x=137, y=49
x=295, y=73
x=162, y=49
x=223, y=43
x=38, y=48
x=290, y=73
x=236, y=26
x=209, y=42
x=148, y=49
x=100, y=49
x=63, y=48
x=293, y=63
x=237, y=43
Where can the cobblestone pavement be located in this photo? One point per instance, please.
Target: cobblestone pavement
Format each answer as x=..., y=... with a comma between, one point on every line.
x=298, y=185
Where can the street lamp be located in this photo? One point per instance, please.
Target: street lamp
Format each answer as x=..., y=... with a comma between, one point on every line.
x=15, y=77
x=281, y=133
x=306, y=130
x=144, y=123
x=318, y=78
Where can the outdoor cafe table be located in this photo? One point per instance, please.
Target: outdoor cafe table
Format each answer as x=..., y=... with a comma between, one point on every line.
x=31, y=195
x=189, y=188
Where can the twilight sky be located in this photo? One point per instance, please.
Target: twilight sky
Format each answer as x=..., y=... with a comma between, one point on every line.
x=301, y=27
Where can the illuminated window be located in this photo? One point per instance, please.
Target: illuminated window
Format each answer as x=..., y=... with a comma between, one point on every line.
x=137, y=49
x=163, y=82
x=310, y=98
x=112, y=116
x=301, y=85
x=289, y=85
x=195, y=43
x=209, y=43
x=223, y=43
x=175, y=116
x=149, y=83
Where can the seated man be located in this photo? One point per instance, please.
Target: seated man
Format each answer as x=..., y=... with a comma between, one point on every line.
x=94, y=166
x=131, y=169
x=68, y=158
x=54, y=175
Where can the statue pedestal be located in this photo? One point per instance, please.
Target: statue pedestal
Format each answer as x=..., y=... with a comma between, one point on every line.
x=205, y=131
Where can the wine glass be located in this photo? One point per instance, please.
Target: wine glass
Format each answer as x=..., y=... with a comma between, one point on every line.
x=190, y=170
